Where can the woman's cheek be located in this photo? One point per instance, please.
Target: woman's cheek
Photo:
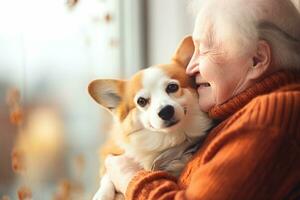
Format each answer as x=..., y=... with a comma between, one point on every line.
x=207, y=69
x=203, y=67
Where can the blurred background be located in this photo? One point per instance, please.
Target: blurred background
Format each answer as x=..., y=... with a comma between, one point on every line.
x=50, y=129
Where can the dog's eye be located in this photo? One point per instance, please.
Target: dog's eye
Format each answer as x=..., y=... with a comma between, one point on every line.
x=172, y=87
x=142, y=101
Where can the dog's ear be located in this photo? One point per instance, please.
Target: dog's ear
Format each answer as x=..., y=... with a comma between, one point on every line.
x=107, y=92
x=184, y=51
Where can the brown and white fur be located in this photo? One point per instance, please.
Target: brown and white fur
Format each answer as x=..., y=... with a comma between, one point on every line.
x=156, y=113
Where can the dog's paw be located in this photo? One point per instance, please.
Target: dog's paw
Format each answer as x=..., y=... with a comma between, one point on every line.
x=100, y=195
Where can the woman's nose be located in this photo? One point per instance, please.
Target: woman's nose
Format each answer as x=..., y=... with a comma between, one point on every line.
x=193, y=66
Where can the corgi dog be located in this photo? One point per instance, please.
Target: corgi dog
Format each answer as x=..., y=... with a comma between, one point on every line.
x=157, y=120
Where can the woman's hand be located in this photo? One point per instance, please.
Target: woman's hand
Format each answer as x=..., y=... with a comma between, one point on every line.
x=121, y=170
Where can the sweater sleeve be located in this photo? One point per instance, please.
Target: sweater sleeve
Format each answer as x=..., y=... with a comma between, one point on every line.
x=240, y=163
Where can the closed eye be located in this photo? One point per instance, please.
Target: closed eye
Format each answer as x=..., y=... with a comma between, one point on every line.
x=204, y=53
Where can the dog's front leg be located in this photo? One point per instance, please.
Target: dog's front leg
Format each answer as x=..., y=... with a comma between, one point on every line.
x=106, y=190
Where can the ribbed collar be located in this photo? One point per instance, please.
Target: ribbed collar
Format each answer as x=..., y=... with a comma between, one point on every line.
x=267, y=85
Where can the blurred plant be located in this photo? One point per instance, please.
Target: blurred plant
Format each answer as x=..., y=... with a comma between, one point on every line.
x=108, y=17
x=24, y=193
x=72, y=3
x=13, y=101
x=64, y=190
x=37, y=153
x=39, y=146
x=18, y=161
x=68, y=190
x=16, y=118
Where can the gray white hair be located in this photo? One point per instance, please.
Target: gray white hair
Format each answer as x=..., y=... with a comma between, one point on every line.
x=240, y=24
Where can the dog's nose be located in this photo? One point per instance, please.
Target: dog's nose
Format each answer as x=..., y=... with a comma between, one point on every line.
x=166, y=113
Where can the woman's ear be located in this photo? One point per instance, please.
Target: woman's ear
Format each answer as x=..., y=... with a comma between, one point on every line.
x=184, y=51
x=261, y=60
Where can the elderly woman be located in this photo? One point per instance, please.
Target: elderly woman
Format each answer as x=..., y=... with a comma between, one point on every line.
x=246, y=63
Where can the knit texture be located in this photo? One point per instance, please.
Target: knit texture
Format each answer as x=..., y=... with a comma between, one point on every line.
x=254, y=153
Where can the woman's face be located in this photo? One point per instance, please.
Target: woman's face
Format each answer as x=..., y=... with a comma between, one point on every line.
x=218, y=76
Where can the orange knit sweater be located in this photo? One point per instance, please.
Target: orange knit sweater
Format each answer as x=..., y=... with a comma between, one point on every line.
x=253, y=154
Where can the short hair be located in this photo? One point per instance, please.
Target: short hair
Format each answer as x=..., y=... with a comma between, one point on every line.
x=241, y=24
